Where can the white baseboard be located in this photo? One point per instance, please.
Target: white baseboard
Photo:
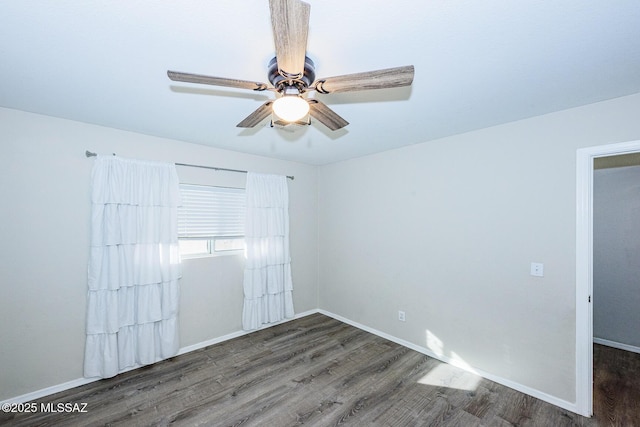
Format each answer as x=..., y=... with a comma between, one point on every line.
x=49, y=390
x=617, y=345
x=82, y=381
x=570, y=406
x=237, y=334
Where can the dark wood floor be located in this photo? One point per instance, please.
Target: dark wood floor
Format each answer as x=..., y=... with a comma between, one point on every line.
x=616, y=392
x=320, y=372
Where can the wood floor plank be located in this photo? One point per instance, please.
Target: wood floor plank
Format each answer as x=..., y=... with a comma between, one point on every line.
x=317, y=371
x=481, y=403
x=616, y=395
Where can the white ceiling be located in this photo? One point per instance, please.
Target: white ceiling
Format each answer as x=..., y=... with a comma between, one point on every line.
x=478, y=64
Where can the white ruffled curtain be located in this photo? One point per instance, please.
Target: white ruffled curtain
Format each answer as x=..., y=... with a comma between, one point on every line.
x=267, y=276
x=134, y=266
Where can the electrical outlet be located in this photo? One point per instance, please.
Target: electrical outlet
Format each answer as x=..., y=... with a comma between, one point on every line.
x=537, y=269
x=401, y=316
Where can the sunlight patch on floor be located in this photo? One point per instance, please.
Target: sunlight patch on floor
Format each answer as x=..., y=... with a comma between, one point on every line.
x=451, y=377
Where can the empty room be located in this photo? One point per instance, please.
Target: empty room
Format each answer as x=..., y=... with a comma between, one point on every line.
x=277, y=212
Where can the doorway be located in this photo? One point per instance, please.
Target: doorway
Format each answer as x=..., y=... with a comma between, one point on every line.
x=584, y=267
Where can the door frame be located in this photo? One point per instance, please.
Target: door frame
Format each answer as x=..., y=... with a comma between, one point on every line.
x=584, y=266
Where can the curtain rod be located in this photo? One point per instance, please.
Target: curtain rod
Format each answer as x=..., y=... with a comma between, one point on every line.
x=90, y=154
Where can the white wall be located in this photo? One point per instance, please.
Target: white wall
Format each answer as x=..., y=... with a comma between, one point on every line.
x=616, y=255
x=446, y=231
x=45, y=238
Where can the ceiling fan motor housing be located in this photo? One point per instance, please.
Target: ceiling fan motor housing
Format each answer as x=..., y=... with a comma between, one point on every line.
x=280, y=82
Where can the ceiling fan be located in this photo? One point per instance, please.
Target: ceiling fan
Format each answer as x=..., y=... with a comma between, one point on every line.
x=292, y=74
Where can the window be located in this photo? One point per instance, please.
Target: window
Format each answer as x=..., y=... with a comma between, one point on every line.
x=210, y=220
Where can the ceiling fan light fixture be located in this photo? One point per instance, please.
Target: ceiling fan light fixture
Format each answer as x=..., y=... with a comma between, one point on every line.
x=292, y=74
x=291, y=108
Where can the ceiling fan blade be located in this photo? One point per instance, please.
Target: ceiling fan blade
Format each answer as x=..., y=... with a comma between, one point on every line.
x=257, y=116
x=379, y=79
x=326, y=115
x=290, y=22
x=216, y=81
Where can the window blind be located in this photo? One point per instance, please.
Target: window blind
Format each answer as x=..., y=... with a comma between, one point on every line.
x=208, y=212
